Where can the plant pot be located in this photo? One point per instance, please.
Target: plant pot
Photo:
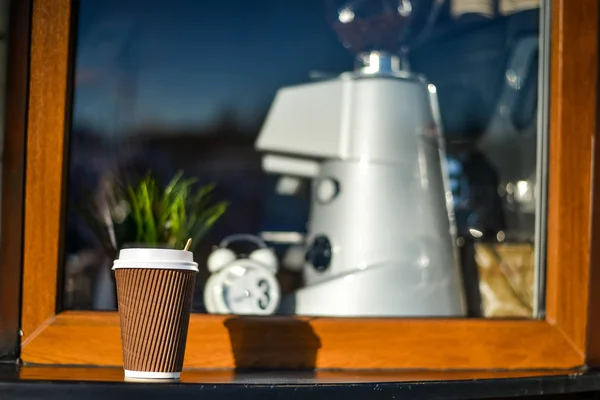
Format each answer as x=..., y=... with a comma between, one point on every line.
x=104, y=292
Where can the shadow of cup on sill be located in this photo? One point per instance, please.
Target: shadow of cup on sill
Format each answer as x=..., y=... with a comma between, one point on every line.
x=272, y=342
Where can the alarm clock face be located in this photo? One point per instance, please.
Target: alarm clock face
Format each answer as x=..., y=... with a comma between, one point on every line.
x=246, y=288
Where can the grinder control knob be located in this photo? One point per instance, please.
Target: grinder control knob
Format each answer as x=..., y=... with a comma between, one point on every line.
x=327, y=190
x=319, y=253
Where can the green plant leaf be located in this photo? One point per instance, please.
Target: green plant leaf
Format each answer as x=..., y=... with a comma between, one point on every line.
x=136, y=213
x=158, y=216
x=202, y=223
x=148, y=212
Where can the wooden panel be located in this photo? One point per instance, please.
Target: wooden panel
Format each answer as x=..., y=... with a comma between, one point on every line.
x=224, y=342
x=572, y=127
x=45, y=156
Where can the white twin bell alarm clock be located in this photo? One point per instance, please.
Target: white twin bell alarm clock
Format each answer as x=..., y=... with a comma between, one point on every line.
x=242, y=285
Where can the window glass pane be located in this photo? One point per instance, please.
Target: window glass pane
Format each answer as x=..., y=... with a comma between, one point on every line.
x=386, y=151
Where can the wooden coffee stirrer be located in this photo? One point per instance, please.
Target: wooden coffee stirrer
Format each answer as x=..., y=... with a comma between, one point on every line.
x=188, y=244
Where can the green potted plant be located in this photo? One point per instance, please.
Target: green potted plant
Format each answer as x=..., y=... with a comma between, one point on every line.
x=146, y=214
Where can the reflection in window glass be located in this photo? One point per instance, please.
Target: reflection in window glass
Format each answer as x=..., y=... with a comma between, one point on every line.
x=383, y=150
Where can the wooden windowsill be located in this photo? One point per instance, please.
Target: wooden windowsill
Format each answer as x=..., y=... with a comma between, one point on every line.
x=218, y=341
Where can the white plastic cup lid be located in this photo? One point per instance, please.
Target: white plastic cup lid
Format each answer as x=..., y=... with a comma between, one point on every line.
x=156, y=259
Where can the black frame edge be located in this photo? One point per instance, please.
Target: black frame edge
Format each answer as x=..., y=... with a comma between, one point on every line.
x=13, y=177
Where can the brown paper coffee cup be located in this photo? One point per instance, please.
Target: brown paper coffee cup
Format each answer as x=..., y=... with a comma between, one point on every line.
x=154, y=291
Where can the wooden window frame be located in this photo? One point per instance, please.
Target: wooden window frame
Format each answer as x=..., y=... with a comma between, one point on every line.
x=559, y=341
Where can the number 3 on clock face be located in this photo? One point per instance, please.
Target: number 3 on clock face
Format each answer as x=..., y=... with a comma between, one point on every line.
x=243, y=288
x=264, y=297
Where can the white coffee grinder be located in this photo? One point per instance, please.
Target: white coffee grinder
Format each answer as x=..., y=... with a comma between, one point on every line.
x=380, y=234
